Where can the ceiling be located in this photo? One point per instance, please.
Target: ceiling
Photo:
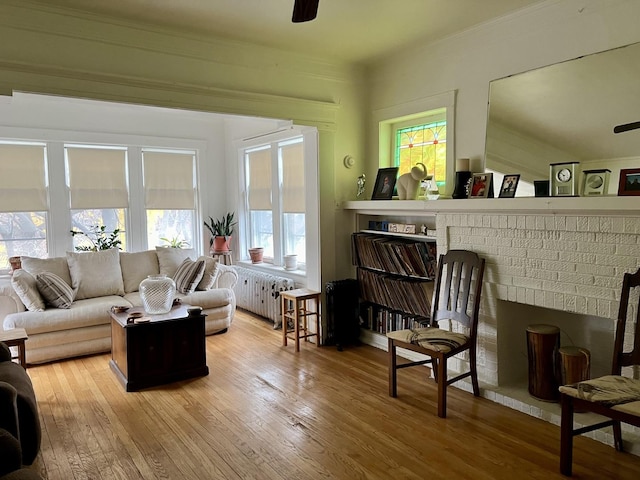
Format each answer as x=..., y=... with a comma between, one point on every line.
x=359, y=31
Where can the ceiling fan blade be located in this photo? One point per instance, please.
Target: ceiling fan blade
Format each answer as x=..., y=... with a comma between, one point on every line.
x=626, y=127
x=304, y=10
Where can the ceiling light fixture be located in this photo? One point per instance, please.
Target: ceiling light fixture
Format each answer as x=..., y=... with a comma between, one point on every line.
x=304, y=10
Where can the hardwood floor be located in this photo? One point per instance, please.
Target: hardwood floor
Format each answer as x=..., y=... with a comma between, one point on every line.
x=265, y=412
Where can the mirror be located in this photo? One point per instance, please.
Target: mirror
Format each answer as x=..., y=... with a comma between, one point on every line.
x=566, y=113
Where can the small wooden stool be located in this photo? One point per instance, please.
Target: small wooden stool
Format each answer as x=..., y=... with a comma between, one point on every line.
x=295, y=307
x=223, y=257
x=15, y=338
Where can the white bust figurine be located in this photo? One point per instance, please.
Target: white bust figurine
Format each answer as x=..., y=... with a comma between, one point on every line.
x=408, y=183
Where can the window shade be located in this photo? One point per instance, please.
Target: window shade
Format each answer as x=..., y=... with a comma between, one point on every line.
x=259, y=166
x=169, y=180
x=292, y=178
x=97, y=178
x=22, y=182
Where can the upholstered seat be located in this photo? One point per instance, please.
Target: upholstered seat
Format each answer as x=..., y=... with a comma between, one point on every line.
x=431, y=338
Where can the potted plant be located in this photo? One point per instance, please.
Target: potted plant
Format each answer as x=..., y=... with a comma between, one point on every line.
x=221, y=231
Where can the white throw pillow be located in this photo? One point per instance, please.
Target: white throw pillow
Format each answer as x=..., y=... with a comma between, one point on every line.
x=54, y=290
x=171, y=258
x=136, y=267
x=188, y=275
x=57, y=265
x=209, y=275
x=24, y=284
x=96, y=274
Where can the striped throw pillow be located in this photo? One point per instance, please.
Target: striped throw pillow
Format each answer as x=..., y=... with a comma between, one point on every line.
x=188, y=275
x=54, y=290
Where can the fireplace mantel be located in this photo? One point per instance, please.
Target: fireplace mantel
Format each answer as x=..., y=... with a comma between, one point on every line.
x=598, y=206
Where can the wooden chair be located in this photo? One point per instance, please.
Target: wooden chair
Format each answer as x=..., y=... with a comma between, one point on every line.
x=452, y=300
x=614, y=396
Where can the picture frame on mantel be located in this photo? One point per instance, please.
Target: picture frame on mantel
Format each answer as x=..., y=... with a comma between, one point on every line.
x=385, y=183
x=509, y=185
x=629, y=183
x=481, y=185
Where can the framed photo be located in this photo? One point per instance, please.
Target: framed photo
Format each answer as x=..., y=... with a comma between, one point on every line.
x=629, y=181
x=509, y=185
x=481, y=185
x=385, y=183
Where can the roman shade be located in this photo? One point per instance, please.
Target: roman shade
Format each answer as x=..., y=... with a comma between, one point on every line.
x=169, y=180
x=292, y=178
x=259, y=167
x=23, y=186
x=97, y=177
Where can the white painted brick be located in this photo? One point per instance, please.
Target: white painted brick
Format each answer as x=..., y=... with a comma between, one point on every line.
x=540, y=223
x=616, y=238
x=576, y=278
x=581, y=304
x=521, y=296
x=512, y=221
x=595, y=292
x=531, y=296
x=559, y=245
x=502, y=241
x=579, y=258
x=630, y=263
x=558, y=301
x=530, y=222
x=594, y=224
x=582, y=224
x=606, y=308
x=631, y=225
x=544, y=254
x=570, y=303
x=504, y=221
x=555, y=287
x=539, y=298
x=549, y=223
x=633, y=250
x=617, y=224
x=580, y=237
x=542, y=275
x=606, y=224
x=561, y=222
x=596, y=248
x=536, y=284
x=512, y=294
x=612, y=282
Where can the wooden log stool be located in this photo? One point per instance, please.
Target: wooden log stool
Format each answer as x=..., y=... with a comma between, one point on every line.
x=543, y=342
x=297, y=306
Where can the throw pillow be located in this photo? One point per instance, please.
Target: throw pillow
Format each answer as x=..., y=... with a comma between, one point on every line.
x=209, y=276
x=54, y=290
x=136, y=267
x=171, y=258
x=96, y=274
x=57, y=265
x=24, y=284
x=188, y=275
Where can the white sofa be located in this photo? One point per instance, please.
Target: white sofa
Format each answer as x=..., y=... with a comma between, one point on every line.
x=97, y=281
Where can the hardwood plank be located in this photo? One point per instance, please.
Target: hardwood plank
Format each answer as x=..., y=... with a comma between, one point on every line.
x=266, y=412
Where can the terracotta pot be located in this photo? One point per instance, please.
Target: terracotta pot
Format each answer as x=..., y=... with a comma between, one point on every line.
x=256, y=254
x=221, y=244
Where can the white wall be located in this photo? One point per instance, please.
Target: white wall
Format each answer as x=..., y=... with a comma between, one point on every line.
x=542, y=35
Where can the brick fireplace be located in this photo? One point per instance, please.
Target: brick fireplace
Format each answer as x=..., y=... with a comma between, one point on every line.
x=557, y=261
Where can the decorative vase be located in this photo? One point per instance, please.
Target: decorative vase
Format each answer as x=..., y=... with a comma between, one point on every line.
x=290, y=262
x=256, y=254
x=157, y=292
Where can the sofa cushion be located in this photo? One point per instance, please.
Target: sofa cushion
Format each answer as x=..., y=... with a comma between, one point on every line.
x=188, y=275
x=54, y=290
x=136, y=267
x=57, y=265
x=89, y=312
x=96, y=274
x=24, y=284
x=171, y=258
x=209, y=275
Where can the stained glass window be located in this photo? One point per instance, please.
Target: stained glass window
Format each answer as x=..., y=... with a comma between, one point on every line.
x=426, y=144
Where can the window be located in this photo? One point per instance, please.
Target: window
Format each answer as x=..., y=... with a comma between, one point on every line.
x=422, y=140
x=275, y=186
x=169, y=196
x=93, y=202
x=426, y=144
x=23, y=201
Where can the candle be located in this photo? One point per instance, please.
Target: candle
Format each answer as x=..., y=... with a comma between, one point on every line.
x=462, y=165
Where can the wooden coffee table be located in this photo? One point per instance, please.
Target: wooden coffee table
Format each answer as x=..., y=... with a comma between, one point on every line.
x=168, y=348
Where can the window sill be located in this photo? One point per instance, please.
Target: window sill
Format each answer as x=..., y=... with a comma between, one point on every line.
x=299, y=276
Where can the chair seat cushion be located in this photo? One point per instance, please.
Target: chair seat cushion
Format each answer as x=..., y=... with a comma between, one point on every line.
x=431, y=338
x=608, y=390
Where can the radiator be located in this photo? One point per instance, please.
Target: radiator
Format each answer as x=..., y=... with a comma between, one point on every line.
x=259, y=292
